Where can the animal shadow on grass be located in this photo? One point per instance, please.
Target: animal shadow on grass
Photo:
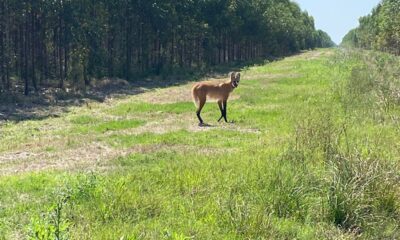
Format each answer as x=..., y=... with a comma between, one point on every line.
x=206, y=125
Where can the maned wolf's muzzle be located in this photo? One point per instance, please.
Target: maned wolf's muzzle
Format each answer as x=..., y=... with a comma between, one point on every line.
x=235, y=84
x=235, y=78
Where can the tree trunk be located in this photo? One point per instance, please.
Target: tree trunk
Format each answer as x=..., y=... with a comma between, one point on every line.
x=128, y=43
x=25, y=58
x=33, y=51
x=60, y=58
x=2, y=52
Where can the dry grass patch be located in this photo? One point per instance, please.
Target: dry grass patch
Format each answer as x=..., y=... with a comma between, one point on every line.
x=167, y=95
x=92, y=156
x=272, y=76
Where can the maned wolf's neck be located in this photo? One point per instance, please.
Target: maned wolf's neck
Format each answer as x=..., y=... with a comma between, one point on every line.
x=228, y=85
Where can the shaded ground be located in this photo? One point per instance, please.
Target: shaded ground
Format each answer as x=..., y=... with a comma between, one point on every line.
x=52, y=102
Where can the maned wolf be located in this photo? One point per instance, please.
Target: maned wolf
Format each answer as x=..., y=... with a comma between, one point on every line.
x=215, y=90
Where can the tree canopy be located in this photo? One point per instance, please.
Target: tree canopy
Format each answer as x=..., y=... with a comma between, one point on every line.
x=379, y=30
x=71, y=41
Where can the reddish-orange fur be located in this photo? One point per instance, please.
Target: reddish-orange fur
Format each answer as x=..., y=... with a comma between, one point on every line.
x=214, y=90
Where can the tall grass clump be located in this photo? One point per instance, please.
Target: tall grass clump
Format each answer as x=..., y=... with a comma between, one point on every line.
x=358, y=187
x=360, y=181
x=371, y=85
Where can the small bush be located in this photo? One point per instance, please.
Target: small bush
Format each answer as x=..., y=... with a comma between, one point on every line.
x=53, y=224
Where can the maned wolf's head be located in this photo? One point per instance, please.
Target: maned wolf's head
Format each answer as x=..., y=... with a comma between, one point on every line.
x=235, y=79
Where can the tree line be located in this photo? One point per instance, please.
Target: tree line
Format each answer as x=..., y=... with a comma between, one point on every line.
x=69, y=42
x=379, y=30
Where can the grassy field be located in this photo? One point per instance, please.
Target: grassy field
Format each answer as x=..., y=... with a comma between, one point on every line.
x=313, y=153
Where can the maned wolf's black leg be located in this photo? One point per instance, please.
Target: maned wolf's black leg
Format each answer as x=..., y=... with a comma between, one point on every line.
x=221, y=109
x=198, y=116
x=225, y=109
x=201, y=105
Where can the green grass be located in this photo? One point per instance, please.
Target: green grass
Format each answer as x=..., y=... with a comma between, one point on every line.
x=105, y=126
x=313, y=154
x=132, y=108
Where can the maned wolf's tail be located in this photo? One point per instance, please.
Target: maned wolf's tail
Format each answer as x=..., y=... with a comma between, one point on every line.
x=195, y=98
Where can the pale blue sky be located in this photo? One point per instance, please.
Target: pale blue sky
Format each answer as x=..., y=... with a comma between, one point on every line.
x=337, y=17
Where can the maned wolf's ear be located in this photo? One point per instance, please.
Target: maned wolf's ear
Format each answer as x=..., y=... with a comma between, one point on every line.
x=237, y=76
x=232, y=75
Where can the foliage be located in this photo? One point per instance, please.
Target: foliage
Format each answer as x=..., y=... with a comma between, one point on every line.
x=74, y=41
x=53, y=224
x=323, y=40
x=380, y=30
